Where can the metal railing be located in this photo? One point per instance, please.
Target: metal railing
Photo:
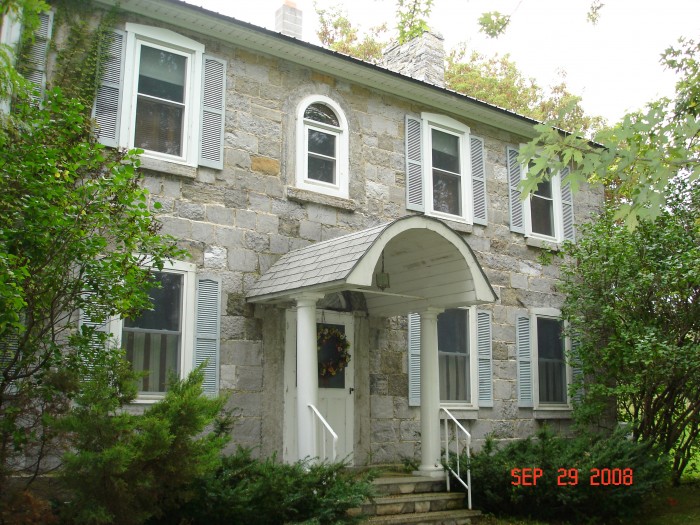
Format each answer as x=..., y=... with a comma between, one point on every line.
x=457, y=470
x=327, y=430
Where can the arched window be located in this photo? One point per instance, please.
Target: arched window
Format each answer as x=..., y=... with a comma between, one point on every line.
x=322, y=147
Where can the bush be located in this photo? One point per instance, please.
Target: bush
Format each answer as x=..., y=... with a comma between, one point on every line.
x=126, y=468
x=558, y=494
x=266, y=492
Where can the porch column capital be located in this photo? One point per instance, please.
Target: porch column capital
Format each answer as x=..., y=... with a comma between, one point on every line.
x=307, y=299
x=431, y=312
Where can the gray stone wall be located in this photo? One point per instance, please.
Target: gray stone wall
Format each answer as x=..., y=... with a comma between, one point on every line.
x=237, y=222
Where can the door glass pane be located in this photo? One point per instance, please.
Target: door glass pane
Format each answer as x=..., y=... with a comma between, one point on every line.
x=152, y=340
x=328, y=357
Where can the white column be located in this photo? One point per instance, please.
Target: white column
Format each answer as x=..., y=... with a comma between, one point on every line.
x=307, y=374
x=429, y=395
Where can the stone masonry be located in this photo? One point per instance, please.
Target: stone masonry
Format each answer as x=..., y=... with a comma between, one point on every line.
x=235, y=223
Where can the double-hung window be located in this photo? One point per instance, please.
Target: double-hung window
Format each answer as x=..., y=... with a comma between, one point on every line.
x=161, y=93
x=464, y=351
x=179, y=331
x=548, y=212
x=322, y=147
x=445, y=169
x=543, y=374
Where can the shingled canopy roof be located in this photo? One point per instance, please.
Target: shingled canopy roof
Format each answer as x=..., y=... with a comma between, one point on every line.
x=430, y=265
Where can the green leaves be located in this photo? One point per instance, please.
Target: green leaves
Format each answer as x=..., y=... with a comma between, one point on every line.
x=493, y=23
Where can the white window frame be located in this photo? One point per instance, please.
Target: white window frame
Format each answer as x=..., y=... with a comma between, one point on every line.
x=548, y=313
x=170, y=41
x=187, y=316
x=451, y=126
x=341, y=187
x=558, y=214
x=473, y=367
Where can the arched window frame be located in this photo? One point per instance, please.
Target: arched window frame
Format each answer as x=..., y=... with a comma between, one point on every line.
x=340, y=188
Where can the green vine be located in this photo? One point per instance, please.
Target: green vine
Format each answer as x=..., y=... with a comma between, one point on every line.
x=80, y=40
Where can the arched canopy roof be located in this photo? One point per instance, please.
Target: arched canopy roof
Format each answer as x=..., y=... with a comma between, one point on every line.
x=429, y=265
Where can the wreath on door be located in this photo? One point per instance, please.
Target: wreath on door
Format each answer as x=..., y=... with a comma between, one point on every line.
x=338, y=357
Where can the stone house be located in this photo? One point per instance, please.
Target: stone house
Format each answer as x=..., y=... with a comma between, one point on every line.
x=330, y=207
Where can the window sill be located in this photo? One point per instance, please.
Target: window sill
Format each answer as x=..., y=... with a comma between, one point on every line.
x=300, y=195
x=171, y=168
x=536, y=242
x=460, y=413
x=552, y=413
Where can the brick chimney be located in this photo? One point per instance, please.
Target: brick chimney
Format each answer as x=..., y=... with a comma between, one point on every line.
x=288, y=20
x=422, y=58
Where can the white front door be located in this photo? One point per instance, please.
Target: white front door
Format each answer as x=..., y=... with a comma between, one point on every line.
x=335, y=392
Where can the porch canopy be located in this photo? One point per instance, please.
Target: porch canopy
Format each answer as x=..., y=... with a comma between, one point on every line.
x=430, y=268
x=429, y=265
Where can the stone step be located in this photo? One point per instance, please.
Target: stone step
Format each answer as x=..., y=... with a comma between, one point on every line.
x=409, y=485
x=445, y=517
x=414, y=502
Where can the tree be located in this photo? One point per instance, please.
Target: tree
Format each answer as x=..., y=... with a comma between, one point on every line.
x=495, y=80
x=76, y=233
x=638, y=157
x=633, y=304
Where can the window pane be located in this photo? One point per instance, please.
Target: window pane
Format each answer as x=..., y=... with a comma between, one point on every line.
x=158, y=127
x=162, y=74
x=323, y=143
x=551, y=363
x=152, y=340
x=542, y=215
x=321, y=169
x=544, y=189
x=165, y=313
x=452, y=331
x=445, y=151
x=447, y=192
x=453, y=352
x=321, y=113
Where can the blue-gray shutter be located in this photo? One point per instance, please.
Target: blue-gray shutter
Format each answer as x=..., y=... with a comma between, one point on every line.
x=484, y=358
x=108, y=101
x=523, y=351
x=37, y=56
x=478, y=158
x=576, y=371
x=415, y=185
x=567, y=206
x=517, y=219
x=211, y=151
x=413, y=360
x=207, y=325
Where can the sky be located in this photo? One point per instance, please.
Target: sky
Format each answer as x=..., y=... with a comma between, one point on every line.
x=614, y=65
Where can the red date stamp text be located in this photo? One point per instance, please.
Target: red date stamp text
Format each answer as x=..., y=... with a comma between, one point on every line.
x=528, y=477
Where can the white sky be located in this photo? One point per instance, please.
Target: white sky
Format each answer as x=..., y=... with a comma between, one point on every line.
x=614, y=65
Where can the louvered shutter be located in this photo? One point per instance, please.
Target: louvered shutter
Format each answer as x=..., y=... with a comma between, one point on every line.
x=108, y=101
x=415, y=198
x=478, y=158
x=517, y=222
x=576, y=371
x=9, y=346
x=36, y=58
x=567, y=206
x=523, y=351
x=206, y=348
x=413, y=360
x=96, y=346
x=211, y=151
x=484, y=358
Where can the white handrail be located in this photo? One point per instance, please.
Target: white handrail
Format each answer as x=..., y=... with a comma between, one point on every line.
x=328, y=429
x=467, y=443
